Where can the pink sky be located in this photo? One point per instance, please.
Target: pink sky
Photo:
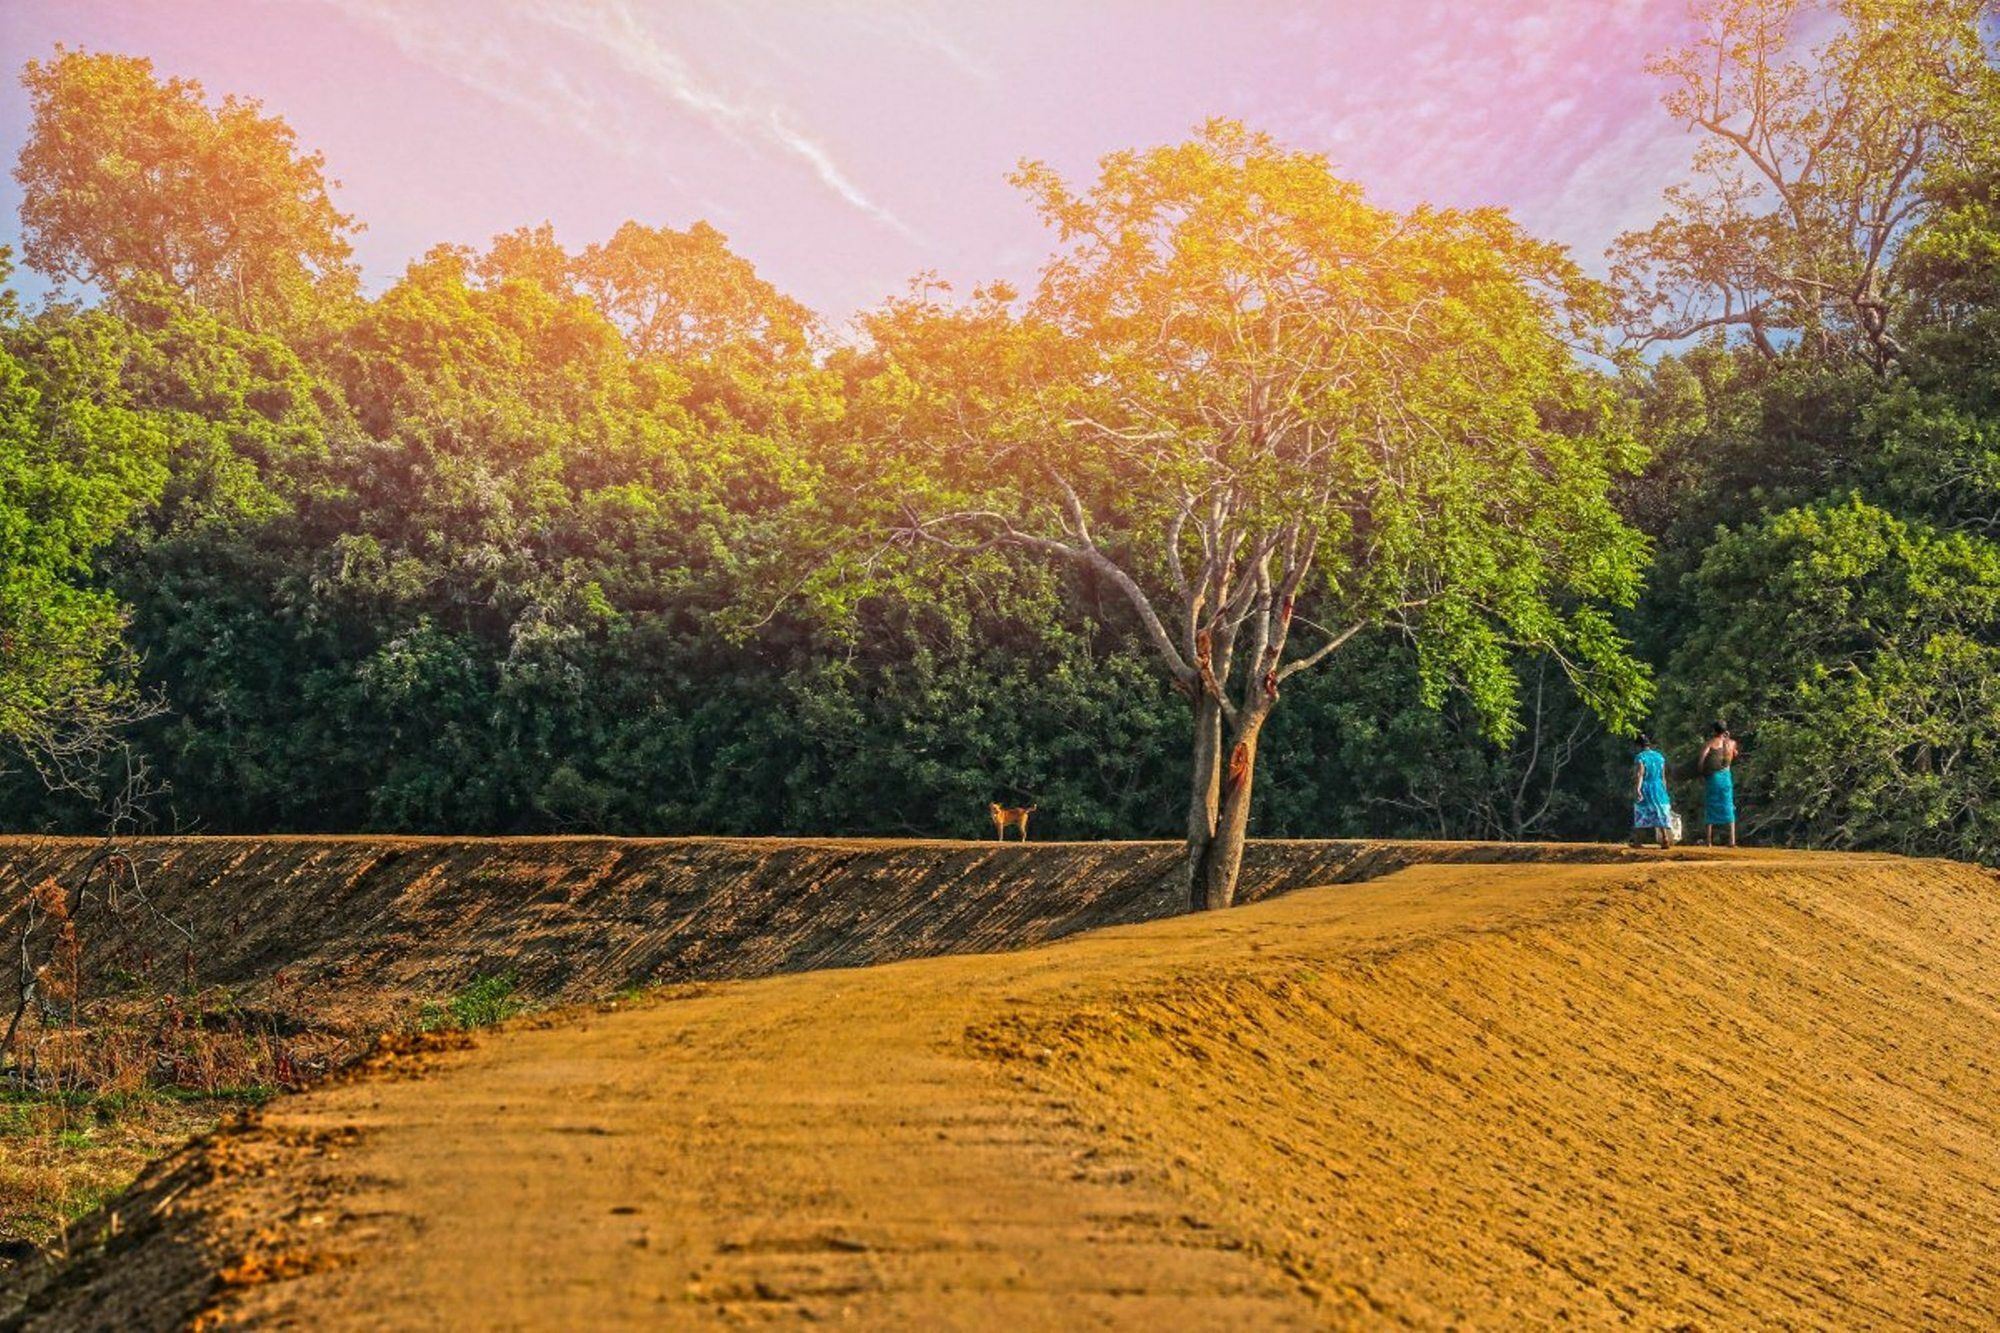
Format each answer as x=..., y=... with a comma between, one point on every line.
x=846, y=145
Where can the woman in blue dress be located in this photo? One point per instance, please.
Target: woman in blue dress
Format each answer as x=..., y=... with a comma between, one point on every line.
x=1718, y=793
x=1651, y=807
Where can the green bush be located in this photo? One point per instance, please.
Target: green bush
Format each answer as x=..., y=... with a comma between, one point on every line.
x=481, y=1003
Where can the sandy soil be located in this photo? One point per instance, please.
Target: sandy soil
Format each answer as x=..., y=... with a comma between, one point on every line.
x=1709, y=1092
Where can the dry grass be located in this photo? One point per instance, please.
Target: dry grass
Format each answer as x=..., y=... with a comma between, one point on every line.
x=60, y=1157
x=103, y=1069
x=95, y=1092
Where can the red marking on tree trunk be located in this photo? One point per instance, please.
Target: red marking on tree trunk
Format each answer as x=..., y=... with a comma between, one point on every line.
x=1239, y=767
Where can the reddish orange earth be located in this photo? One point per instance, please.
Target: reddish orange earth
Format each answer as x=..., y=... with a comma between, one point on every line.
x=1706, y=1093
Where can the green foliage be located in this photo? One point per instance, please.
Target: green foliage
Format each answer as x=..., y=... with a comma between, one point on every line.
x=686, y=296
x=1354, y=750
x=480, y=1003
x=127, y=177
x=1861, y=657
x=1825, y=506
x=1391, y=402
x=1245, y=400
x=76, y=462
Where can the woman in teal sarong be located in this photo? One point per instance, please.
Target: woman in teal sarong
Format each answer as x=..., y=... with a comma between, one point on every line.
x=1651, y=807
x=1718, y=794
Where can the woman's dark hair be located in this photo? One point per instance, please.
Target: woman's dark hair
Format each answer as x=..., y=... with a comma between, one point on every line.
x=1645, y=740
x=1719, y=727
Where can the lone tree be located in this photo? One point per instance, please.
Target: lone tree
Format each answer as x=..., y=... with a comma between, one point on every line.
x=1267, y=417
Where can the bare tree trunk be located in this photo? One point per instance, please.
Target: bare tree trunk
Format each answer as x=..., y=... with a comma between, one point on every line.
x=1232, y=826
x=1204, y=796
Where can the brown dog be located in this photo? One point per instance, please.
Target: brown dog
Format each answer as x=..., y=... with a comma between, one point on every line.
x=1005, y=816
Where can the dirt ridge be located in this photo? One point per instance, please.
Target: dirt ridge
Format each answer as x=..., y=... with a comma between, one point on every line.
x=358, y=927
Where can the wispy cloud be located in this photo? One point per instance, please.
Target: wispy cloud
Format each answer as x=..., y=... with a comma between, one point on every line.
x=617, y=32
x=501, y=59
x=1541, y=103
x=928, y=35
x=476, y=61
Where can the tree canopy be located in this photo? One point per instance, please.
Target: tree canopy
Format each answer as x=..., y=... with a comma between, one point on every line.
x=128, y=176
x=1245, y=399
x=1811, y=169
x=1868, y=652
x=1824, y=499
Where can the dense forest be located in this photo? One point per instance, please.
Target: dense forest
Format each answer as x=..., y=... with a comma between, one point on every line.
x=620, y=538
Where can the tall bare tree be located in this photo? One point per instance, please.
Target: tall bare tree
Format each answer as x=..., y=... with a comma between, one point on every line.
x=1809, y=171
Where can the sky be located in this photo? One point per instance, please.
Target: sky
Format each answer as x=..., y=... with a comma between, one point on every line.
x=846, y=146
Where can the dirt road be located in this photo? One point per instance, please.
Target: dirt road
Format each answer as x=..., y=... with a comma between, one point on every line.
x=1703, y=1093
